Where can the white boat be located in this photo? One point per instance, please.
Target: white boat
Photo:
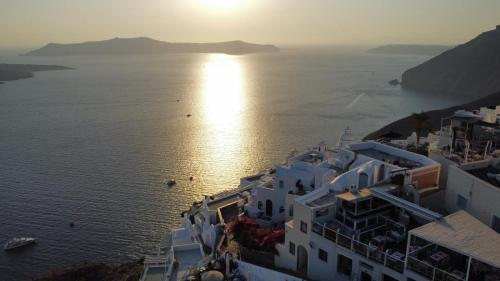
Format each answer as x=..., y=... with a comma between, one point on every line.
x=18, y=242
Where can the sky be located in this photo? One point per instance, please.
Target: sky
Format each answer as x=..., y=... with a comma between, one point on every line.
x=33, y=23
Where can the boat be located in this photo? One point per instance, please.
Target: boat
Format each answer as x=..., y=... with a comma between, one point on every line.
x=171, y=182
x=18, y=242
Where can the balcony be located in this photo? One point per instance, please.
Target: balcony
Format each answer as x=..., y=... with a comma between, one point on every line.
x=437, y=263
x=391, y=258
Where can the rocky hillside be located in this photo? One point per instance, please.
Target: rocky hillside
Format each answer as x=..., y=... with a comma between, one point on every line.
x=97, y=272
x=9, y=72
x=406, y=126
x=143, y=45
x=471, y=69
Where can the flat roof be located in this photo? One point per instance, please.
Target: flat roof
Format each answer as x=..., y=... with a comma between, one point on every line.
x=482, y=173
x=325, y=199
x=391, y=154
x=463, y=234
x=155, y=274
x=217, y=203
x=391, y=158
x=350, y=196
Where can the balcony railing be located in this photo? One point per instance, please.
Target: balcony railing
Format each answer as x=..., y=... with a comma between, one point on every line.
x=344, y=241
x=421, y=268
x=360, y=248
x=317, y=228
x=377, y=255
x=430, y=271
x=330, y=234
x=395, y=264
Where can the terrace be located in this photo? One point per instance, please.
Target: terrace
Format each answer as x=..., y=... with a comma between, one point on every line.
x=383, y=241
x=312, y=158
x=389, y=158
x=437, y=263
x=490, y=174
x=447, y=249
x=469, y=138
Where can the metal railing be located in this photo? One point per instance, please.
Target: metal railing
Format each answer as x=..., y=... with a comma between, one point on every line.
x=395, y=264
x=358, y=247
x=430, y=272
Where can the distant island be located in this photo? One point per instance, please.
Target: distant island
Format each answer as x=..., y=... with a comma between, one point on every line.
x=9, y=72
x=405, y=49
x=143, y=45
x=471, y=69
x=404, y=127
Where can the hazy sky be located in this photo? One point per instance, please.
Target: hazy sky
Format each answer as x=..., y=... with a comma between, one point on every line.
x=32, y=23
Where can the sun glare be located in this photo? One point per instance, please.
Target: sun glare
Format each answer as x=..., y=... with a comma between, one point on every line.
x=221, y=5
x=223, y=91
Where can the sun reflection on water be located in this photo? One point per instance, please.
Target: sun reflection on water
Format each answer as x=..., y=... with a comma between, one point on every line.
x=223, y=95
x=223, y=92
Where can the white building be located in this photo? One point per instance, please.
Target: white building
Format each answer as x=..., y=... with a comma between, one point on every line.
x=350, y=213
x=475, y=188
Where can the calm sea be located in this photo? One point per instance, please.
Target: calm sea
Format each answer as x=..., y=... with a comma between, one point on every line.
x=95, y=145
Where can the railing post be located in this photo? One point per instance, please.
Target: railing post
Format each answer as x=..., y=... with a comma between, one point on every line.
x=468, y=269
x=433, y=273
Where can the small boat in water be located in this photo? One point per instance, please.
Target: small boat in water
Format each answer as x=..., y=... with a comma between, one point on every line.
x=171, y=183
x=18, y=242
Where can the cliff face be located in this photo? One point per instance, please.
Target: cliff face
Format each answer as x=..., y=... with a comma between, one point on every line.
x=406, y=126
x=471, y=69
x=144, y=45
x=9, y=72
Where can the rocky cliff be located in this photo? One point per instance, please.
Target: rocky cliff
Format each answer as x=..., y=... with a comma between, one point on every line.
x=471, y=69
x=405, y=126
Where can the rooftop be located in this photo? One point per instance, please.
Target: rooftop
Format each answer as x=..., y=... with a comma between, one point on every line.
x=392, y=155
x=312, y=157
x=487, y=174
x=355, y=196
x=386, y=157
x=464, y=234
x=155, y=274
x=325, y=199
x=218, y=203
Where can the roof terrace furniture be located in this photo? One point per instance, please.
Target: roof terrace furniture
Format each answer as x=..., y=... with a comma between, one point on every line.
x=456, y=242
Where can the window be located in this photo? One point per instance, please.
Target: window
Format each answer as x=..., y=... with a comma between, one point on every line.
x=303, y=226
x=259, y=205
x=323, y=255
x=290, y=211
x=344, y=265
x=291, y=248
x=282, y=209
x=281, y=184
x=461, y=202
x=495, y=224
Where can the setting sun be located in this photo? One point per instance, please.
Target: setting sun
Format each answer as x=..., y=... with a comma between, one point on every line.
x=220, y=5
